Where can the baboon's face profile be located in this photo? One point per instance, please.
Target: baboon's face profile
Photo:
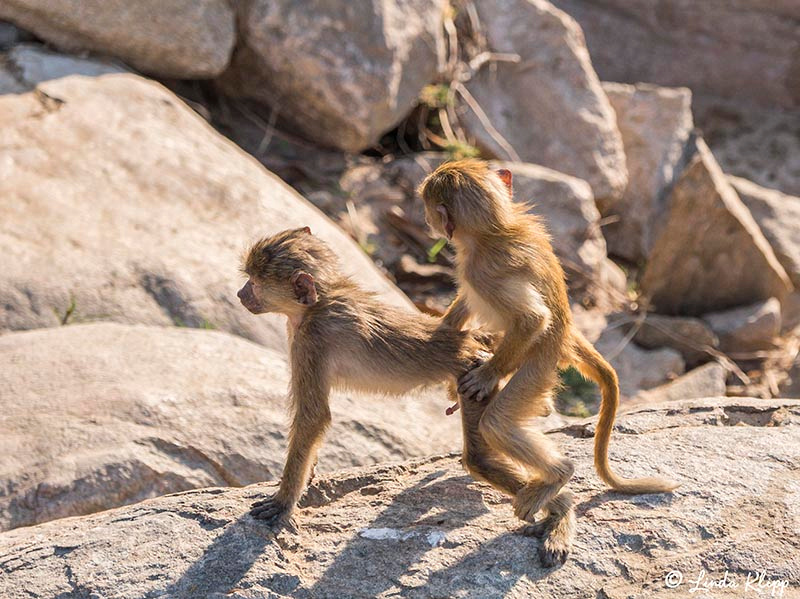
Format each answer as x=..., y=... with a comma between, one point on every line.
x=259, y=296
x=277, y=270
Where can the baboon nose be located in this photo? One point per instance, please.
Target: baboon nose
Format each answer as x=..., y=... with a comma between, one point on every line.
x=240, y=293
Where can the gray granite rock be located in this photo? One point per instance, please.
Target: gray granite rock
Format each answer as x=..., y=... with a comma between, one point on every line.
x=426, y=530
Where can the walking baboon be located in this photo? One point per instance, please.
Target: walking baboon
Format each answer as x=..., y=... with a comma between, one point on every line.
x=340, y=337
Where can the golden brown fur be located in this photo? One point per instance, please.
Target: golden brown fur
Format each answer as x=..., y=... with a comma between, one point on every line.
x=510, y=279
x=340, y=337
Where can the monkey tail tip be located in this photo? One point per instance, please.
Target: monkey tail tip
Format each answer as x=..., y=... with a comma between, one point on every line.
x=639, y=486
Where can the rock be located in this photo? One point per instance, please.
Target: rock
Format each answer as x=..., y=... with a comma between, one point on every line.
x=637, y=368
x=655, y=123
x=590, y=322
x=707, y=380
x=424, y=529
x=710, y=254
x=759, y=145
x=340, y=74
x=790, y=311
x=747, y=328
x=748, y=50
x=689, y=336
x=550, y=106
x=791, y=386
x=26, y=65
x=101, y=415
x=778, y=216
x=11, y=35
x=185, y=39
x=120, y=203
x=9, y=83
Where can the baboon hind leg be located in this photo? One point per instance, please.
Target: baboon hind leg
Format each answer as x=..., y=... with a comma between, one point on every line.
x=504, y=428
x=557, y=529
x=479, y=459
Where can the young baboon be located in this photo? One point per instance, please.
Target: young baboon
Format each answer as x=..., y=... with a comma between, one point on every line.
x=340, y=336
x=509, y=277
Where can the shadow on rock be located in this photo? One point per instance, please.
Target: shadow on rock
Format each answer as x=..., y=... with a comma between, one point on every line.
x=226, y=560
x=395, y=550
x=397, y=540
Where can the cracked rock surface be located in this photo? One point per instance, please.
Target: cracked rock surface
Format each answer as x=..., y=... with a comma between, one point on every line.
x=425, y=529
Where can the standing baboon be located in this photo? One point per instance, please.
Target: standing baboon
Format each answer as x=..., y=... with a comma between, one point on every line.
x=509, y=277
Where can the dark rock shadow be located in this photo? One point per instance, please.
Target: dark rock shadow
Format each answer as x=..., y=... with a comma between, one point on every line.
x=647, y=500
x=415, y=513
x=384, y=562
x=410, y=523
x=492, y=570
x=224, y=562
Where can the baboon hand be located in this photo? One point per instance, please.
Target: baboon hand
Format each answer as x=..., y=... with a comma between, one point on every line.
x=272, y=510
x=481, y=357
x=479, y=383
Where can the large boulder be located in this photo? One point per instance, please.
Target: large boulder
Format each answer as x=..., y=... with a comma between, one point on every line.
x=424, y=529
x=188, y=39
x=655, y=123
x=778, y=216
x=101, y=415
x=748, y=50
x=341, y=73
x=549, y=106
x=710, y=254
x=120, y=203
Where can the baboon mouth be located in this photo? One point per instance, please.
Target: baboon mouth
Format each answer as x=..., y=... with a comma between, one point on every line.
x=254, y=308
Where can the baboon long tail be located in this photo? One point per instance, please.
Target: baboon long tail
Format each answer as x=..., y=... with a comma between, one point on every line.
x=593, y=366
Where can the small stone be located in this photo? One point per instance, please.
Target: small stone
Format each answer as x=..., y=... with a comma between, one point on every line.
x=747, y=328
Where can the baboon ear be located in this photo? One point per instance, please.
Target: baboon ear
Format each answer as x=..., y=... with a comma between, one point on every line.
x=447, y=223
x=305, y=292
x=506, y=177
x=306, y=230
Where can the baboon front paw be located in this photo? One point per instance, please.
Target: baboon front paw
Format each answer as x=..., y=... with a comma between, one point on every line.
x=479, y=383
x=271, y=510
